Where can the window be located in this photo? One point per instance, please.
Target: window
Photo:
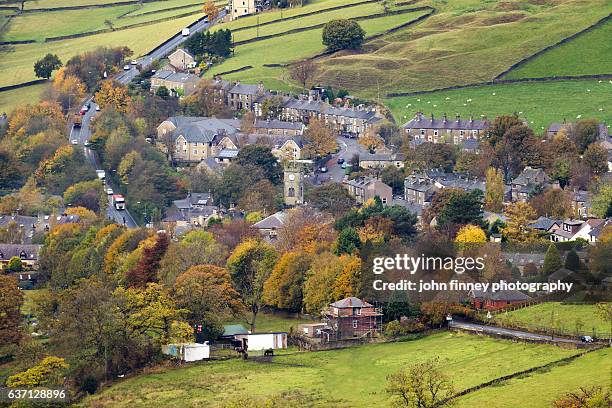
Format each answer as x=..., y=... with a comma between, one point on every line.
x=435, y=133
x=354, y=324
x=384, y=201
x=461, y=132
x=359, y=312
x=291, y=192
x=422, y=132
x=195, y=151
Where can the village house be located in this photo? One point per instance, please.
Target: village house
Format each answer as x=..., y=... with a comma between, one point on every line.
x=28, y=253
x=573, y=229
x=520, y=260
x=244, y=96
x=349, y=122
x=497, y=300
x=180, y=60
x=380, y=161
x=366, y=188
x=269, y=226
x=353, y=318
x=444, y=130
x=178, y=84
x=555, y=128
x=581, y=203
x=241, y=8
x=195, y=138
x=419, y=189
x=278, y=127
x=529, y=182
x=546, y=225
x=194, y=211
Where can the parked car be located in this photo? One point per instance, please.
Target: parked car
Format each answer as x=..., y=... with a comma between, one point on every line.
x=74, y=142
x=343, y=165
x=340, y=160
x=323, y=169
x=134, y=62
x=109, y=191
x=126, y=67
x=586, y=339
x=97, y=108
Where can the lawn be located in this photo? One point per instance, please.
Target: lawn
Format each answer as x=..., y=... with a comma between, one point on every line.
x=15, y=97
x=353, y=377
x=38, y=4
x=589, y=53
x=466, y=41
x=16, y=65
x=38, y=26
x=539, y=316
x=539, y=389
x=304, y=44
x=539, y=103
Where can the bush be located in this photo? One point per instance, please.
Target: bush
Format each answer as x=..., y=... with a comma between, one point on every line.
x=342, y=34
x=90, y=385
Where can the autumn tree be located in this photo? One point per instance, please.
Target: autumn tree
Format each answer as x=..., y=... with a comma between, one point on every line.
x=602, y=201
x=348, y=281
x=205, y=102
x=332, y=198
x=593, y=397
x=112, y=94
x=585, y=132
x=471, y=234
x=11, y=300
x=303, y=72
x=420, y=385
x=494, y=195
x=553, y=203
x=48, y=372
x=262, y=158
x=371, y=141
x=283, y=288
x=320, y=281
x=67, y=89
x=44, y=67
x=305, y=230
x=348, y=241
x=519, y=216
x=596, y=157
x=206, y=292
x=250, y=264
x=552, y=260
x=430, y=155
x=211, y=10
x=319, y=138
x=148, y=265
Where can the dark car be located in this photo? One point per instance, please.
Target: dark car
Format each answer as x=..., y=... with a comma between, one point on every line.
x=586, y=339
x=340, y=160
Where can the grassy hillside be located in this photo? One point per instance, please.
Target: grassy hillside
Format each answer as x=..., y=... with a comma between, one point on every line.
x=589, y=53
x=540, y=316
x=16, y=66
x=15, y=97
x=353, y=377
x=539, y=389
x=304, y=44
x=467, y=41
x=540, y=103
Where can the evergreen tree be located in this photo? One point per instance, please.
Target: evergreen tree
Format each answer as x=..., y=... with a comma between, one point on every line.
x=572, y=261
x=348, y=241
x=552, y=260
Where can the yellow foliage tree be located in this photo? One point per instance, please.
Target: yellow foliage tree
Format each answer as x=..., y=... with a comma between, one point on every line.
x=85, y=214
x=371, y=141
x=211, y=10
x=47, y=372
x=321, y=139
x=471, y=234
x=114, y=95
x=494, y=196
x=347, y=282
x=519, y=216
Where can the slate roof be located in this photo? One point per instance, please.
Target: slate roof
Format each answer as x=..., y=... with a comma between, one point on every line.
x=502, y=295
x=522, y=259
x=596, y=231
x=274, y=221
x=227, y=154
x=233, y=329
x=205, y=130
x=420, y=121
x=24, y=220
x=7, y=251
x=362, y=182
x=193, y=199
x=530, y=176
x=244, y=89
x=544, y=223
x=419, y=183
x=349, y=113
x=180, y=77
x=313, y=106
x=561, y=274
x=385, y=157
x=350, y=302
x=456, y=180
x=278, y=124
x=276, y=140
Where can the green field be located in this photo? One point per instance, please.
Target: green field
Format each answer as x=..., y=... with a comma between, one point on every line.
x=539, y=103
x=15, y=97
x=539, y=316
x=466, y=41
x=276, y=51
x=589, y=53
x=38, y=26
x=16, y=66
x=38, y=4
x=353, y=377
x=267, y=322
x=539, y=389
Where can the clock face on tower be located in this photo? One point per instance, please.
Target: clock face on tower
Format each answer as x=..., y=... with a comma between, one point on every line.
x=291, y=177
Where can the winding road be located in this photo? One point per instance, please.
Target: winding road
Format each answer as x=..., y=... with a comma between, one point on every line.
x=500, y=331
x=80, y=135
